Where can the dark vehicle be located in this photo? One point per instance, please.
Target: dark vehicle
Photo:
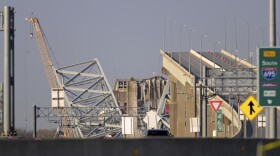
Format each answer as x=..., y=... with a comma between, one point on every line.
x=157, y=132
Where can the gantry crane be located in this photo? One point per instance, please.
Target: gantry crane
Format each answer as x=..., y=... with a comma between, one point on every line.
x=47, y=62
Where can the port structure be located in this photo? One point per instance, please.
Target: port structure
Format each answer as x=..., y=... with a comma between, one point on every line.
x=88, y=119
x=96, y=115
x=83, y=85
x=226, y=77
x=82, y=99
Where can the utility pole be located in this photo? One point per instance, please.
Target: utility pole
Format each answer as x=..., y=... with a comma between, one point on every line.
x=9, y=73
x=34, y=122
x=1, y=105
x=272, y=43
x=204, y=103
x=201, y=127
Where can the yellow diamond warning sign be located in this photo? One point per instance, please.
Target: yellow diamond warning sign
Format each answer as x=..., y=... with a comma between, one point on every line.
x=250, y=108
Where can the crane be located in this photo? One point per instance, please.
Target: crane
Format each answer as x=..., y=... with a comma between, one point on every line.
x=47, y=62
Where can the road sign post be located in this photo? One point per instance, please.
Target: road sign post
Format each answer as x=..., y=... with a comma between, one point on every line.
x=268, y=77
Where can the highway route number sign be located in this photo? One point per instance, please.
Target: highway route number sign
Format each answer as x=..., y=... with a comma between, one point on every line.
x=219, y=121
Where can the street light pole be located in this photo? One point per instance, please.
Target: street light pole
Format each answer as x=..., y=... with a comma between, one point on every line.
x=272, y=42
x=166, y=18
x=204, y=103
x=248, y=42
x=200, y=65
x=225, y=32
x=235, y=33
x=236, y=50
x=261, y=31
x=231, y=52
x=171, y=36
x=278, y=34
x=182, y=26
x=192, y=30
x=214, y=58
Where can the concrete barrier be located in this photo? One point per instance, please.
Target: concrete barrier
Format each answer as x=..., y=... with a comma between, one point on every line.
x=175, y=69
x=138, y=147
x=204, y=59
x=245, y=63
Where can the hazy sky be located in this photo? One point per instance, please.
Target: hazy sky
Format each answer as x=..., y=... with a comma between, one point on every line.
x=125, y=35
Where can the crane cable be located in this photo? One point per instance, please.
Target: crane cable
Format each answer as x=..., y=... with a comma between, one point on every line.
x=26, y=52
x=48, y=45
x=31, y=30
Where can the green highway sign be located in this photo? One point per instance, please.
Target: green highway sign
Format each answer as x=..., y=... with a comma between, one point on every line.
x=219, y=121
x=269, y=77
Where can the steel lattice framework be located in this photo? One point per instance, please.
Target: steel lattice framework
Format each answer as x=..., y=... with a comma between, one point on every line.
x=92, y=109
x=232, y=81
x=67, y=114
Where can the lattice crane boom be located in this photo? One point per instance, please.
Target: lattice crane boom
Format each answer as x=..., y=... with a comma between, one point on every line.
x=47, y=63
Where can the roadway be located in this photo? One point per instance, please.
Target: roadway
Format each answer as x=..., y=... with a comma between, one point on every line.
x=224, y=62
x=220, y=59
x=184, y=62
